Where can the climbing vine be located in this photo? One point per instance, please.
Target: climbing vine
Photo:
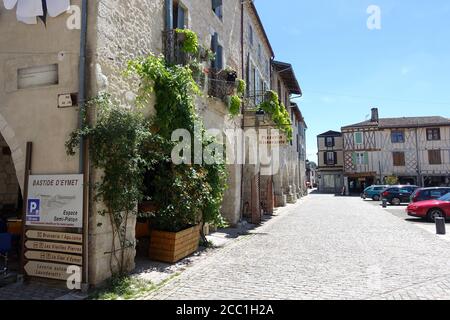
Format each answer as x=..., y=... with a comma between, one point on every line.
x=279, y=115
x=188, y=193
x=190, y=42
x=116, y=142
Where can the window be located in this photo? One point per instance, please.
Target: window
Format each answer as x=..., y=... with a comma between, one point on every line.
x=397, y=137
x=360, y=158
x=250, y=34
x=433, y=134
x=399, y=159
x=217, y=7
x=358, y=138
x=330, y=158
x=434, y=157
x=329, y=142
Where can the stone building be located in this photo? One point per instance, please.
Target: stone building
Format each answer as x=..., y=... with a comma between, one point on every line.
x=42, y=89
x=287, y=181
x=330, y=162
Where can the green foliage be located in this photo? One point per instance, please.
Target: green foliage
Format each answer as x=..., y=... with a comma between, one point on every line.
x=241, y=87
x=116, y=142
x=190, y=43
x=124, y=288
x=392, y=180
x=235, y=105
x=185, y=194
x=278, y=113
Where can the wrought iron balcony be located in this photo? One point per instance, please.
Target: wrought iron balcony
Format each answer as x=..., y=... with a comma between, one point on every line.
x=253, y=99
x=172, y=46
x=221, y=83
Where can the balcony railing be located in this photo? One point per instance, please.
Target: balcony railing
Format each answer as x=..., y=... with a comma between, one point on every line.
x=253, y=99
x=172, y=46
x=221, y=84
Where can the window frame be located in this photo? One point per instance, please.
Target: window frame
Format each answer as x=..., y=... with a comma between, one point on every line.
x=431, y=132
x=395, y=134
x=361, y=134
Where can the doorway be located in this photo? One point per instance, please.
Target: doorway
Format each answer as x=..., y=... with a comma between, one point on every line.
x=11, y=203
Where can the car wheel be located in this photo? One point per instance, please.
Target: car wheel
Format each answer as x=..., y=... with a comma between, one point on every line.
x=395, y=201
x=435, y=213
x=376, y=198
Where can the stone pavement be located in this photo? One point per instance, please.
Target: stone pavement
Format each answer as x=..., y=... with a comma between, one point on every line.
x=323, y=247
x=34, y=291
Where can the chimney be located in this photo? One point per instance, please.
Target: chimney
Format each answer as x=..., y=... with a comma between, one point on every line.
x=375, y=116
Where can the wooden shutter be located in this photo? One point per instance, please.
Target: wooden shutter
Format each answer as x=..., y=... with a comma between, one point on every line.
x=399, y=159
x=434, y=156
x=181, y=17
x=325, y=158
x=216, y=4
x=335, y=155
x=354, y=158
x=169, y=14
x=219, y=58
x=366, y=158
x=214, y=47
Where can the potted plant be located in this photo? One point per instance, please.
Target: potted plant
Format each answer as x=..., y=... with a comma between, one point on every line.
x=175, y=226
x=231, y=75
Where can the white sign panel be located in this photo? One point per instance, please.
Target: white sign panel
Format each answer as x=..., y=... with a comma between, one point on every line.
x=55, y=201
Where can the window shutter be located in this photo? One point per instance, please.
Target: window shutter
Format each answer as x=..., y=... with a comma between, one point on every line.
x=219, y=58
x=169, y=14
x=335, y=156
x=325, y=158
x=366, y=158
x=214, y=47
x=181, y=18
x=216, y=4
x=333, y=143
x=354, y=158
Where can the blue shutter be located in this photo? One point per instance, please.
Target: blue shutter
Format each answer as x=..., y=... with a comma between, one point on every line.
x=169, y=14
x=181, y=18
x=219, y=58
x=214, y=48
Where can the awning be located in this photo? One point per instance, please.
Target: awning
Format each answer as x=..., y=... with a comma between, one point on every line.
x=29, y=10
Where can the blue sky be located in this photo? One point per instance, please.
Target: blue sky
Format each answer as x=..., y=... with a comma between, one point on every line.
x=345, y=69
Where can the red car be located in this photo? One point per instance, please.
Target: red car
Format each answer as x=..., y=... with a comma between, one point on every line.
x=431, y=209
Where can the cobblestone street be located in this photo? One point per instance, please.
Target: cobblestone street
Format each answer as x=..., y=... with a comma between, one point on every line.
x=324, y=247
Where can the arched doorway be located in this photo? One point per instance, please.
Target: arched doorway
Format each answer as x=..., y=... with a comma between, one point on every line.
x=10, y=208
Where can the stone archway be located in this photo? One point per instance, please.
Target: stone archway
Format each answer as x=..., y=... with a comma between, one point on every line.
x=8, y=135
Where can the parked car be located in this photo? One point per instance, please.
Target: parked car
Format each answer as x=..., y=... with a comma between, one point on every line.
x=430, y=209
x=397, y=195
x=424, y=194
x=373, y=192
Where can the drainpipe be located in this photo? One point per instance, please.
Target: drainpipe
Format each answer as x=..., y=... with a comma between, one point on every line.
x=81, y=120
x=241, y=214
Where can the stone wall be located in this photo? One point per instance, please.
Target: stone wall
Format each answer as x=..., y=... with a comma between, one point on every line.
x=9, y=186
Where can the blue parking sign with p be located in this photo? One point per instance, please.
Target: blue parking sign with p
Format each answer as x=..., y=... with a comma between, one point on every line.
x=33, y=209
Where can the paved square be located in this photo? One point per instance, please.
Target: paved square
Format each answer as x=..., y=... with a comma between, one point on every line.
x=324, y=247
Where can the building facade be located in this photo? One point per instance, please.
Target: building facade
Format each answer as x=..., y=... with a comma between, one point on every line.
x=44, y=64
x=415, y=150
x=330, y=162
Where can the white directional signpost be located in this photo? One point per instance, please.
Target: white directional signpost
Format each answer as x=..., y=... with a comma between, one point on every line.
x=54, y=223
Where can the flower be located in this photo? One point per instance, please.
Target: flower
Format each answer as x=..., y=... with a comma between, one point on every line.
x=29, y=10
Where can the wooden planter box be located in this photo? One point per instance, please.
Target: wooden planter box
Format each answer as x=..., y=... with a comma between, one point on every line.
x=171, y=247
